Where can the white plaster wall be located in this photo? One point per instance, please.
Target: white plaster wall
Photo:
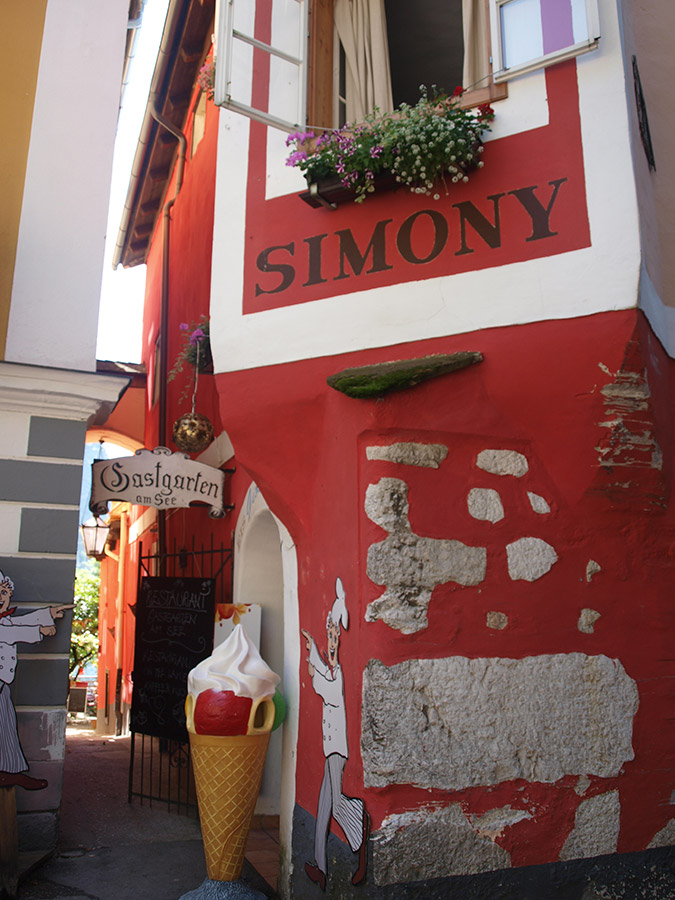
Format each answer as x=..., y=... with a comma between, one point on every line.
x=599, y=278
x=57, y=279
x=254, y=510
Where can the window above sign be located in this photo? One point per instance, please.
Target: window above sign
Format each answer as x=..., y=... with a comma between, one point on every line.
x=367, y=54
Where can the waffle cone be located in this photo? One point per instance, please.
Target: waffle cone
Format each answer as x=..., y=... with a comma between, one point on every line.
x=228, y=772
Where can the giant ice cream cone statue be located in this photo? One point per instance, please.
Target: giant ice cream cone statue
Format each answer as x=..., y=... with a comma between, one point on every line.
x=230, y=713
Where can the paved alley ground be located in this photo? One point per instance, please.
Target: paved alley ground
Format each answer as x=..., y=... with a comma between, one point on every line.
x=111, y=850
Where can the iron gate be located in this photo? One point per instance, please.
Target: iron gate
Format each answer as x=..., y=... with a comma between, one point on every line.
x=160, y=769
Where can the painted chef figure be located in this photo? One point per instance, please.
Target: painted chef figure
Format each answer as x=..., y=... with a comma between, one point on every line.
x=28, y=629
x=348, y=812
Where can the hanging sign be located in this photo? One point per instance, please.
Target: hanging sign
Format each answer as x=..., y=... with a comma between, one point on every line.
x=156, y=478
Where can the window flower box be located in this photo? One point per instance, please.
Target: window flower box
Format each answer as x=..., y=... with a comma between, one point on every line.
x=426, y=148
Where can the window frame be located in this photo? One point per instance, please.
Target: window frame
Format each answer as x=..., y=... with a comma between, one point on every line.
x=316, y=71
x=321, y=69
x=226, y=34
x=502, y=74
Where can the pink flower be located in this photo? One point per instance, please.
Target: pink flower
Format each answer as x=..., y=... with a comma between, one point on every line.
x=196, y=336
x=183, y=326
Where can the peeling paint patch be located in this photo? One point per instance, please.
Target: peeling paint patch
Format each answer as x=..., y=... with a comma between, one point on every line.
x=665, y=837
x=432, y=843
x=596, y=827
x=464, y=722
x=587, y=620
x=629, y=439
x=493, y=823
x=411, y=566
x=485, y=504
x=538, y=504
x=497, y=620
x=502, y=462
x=529, y=558
x=410, y=454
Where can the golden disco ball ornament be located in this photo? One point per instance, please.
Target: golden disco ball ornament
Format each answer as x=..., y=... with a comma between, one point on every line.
x=192, y=432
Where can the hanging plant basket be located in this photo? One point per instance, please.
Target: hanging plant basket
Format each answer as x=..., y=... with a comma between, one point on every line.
x=192, y=432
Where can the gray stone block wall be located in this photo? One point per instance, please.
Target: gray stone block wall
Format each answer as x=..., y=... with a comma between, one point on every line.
x=40, y=493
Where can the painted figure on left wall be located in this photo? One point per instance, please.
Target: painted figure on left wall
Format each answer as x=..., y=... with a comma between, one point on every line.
x=349, y=812
x=28, y=629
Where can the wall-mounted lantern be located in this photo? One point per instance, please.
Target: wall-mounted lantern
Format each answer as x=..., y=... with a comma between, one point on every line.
x=94, y=535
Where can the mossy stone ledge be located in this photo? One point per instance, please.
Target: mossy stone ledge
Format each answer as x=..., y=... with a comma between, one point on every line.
x=363, y=382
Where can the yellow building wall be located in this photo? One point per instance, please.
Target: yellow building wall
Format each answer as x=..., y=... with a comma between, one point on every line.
x=21, y=27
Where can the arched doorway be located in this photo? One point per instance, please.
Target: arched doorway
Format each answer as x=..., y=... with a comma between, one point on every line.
x=266, y=573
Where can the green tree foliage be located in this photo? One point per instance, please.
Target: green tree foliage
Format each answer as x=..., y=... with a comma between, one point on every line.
x=84, y=640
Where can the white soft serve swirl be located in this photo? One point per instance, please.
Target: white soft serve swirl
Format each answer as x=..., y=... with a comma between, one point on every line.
x=235, y=666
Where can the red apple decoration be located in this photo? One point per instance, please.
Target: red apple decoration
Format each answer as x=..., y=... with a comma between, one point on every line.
x=221, y=713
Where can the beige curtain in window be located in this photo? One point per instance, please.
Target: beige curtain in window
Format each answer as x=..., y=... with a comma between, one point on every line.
x=362, y=28
x=476, y=56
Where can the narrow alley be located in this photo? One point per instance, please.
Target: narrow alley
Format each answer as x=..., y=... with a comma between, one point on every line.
x=110, y=849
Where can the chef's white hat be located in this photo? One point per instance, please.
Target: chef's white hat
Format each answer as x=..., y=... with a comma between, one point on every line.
x=338, y=613
x=5, y=579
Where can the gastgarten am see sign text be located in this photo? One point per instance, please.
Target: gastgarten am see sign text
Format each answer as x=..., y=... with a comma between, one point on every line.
x=157, y=478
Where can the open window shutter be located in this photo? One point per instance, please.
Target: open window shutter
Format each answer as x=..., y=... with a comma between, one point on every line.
x=532, y=34
x=238, y=50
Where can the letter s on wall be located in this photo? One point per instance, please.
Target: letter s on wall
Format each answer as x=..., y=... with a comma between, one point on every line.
x=286, y=271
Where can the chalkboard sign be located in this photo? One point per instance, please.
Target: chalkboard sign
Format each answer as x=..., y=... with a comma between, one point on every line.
x=174, y=632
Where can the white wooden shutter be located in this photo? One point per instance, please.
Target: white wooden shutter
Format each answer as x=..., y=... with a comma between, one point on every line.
x=236, y=42
x=532, y=34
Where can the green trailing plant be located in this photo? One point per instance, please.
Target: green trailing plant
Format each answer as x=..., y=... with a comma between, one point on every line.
x=425, y=147
x=195, y=351
x=84, y=637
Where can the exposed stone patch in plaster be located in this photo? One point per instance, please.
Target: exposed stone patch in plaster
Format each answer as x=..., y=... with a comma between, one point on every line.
x=410, y=454
x=411, y=566
x=432, y=843
x=529, y=559
x=386, y=505
x=456, y=722
x=587, y=620
x=665, y=837
x=592, y=568
x=596, y=827
x=502, y=462
x=496, y=620
x=538, y=504
x=582, y=785
x=493, y=823
x=485, y=504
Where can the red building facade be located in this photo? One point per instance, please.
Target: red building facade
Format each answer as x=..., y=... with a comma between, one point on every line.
x=491, y=545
